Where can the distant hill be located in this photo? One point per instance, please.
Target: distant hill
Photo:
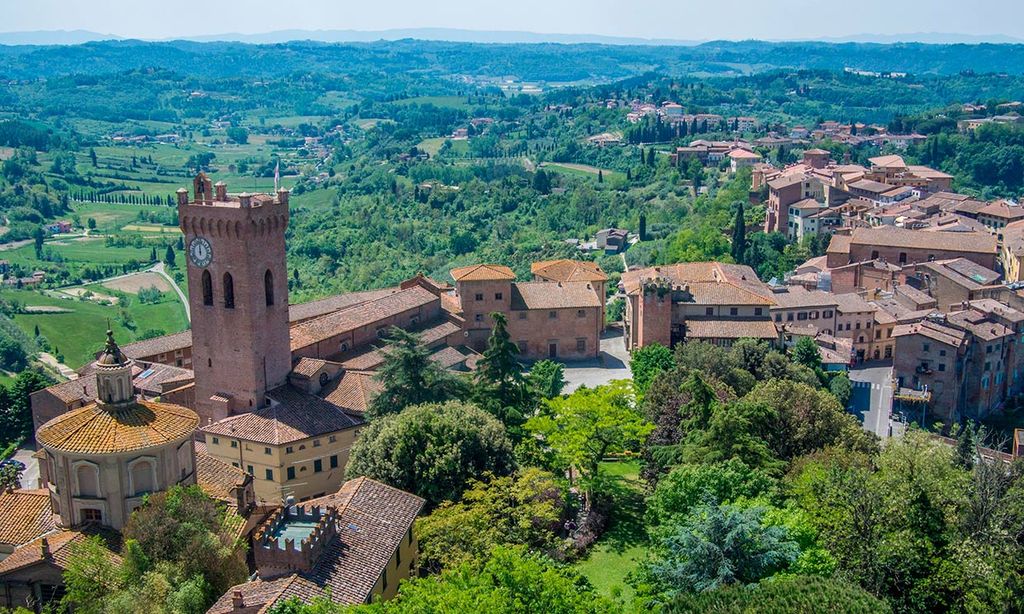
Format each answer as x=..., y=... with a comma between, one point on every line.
x=54, y=37
x=544, y=62
x=431, y=34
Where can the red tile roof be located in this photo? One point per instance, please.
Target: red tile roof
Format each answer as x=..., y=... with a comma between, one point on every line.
x=25, y=515
x=483, y=272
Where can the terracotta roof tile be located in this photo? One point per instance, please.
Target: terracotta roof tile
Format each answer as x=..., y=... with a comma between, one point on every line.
x=293, y=415
x=158, y=345
x=731, y=329
x=217, y=478
x=25, y=515
x=324, y=306
x=354, y=390
x=95, y=430
x=483, y=272
x=313, y=331
x=568, y=270
x=970, y=242
x=61, y=546
x=553, y=295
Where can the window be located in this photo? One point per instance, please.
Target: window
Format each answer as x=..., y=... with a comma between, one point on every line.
x=248, y=469
x=758, y=311
x=988, y=349
x=332, y=438
x=801, y=316
x=734, y=311
x=143, y=477
x=234, y=443
x=874, y=254
x=216, y=440
x=479, y=317
x=925, y=347
x=523, y=347
x=789, y=317
x=266, y=450
x=903, y=257
x=988, y=366
x=710, y=311
x=268, y=287
x=827, y=313
x=270, y=474
x=942, y=352
x=523, y=315
x=479, y=296
x=289, y=450
x=291, y=473
x=88, y=480
x=581, y=344
x=942, y=366
x=207, y=289
x=497, y=296
x=334, y=461
x=778, y=317
x=984, y=382
x=552, y=315
x=318, y=465
x=229, y=291
x=878, y=334
x=581, y=313
x=92, y=515
x=316, y=443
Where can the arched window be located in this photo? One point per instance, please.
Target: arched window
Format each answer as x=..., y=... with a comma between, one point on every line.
x=142, y=477
x=229, y=291
x=88, y=480
x=268, y=287
x=207, y=288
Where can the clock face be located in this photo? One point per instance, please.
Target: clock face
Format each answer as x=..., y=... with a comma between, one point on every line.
x=200, y=252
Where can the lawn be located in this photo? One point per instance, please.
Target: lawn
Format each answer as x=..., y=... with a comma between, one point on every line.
x=432, y=146
x=583, y=170
x=80, y=333
x=89, y=251
x=621, y=549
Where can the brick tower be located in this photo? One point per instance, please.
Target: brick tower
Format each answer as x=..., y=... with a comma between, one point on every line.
x=238, y=292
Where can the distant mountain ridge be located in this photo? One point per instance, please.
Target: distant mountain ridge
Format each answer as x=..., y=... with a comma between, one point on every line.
x=77, y=37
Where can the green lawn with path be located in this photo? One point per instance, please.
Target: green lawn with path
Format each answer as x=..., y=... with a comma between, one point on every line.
x=621, y=549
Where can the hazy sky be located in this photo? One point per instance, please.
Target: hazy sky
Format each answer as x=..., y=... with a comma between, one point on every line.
x=677, y=19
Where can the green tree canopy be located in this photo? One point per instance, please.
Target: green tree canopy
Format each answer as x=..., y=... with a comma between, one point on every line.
x=432, y=450
x=409, y=377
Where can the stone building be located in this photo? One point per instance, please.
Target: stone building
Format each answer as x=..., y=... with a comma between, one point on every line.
x=102, y=459
x=901, y=246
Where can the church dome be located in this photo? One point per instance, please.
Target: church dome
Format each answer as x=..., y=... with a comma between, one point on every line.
x=140, y=425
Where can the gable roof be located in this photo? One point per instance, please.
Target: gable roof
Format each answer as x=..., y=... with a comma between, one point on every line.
x=709, y=282
x=354, y=390
x=158, y=345
x=483, y=272
x=217, y=478
x=60, y=545
x=968, y=242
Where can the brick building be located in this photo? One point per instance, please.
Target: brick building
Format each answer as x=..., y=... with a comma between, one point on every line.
x=900, y=246
x=698, y=301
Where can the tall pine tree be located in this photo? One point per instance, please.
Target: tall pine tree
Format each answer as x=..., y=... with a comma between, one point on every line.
x=500, y=386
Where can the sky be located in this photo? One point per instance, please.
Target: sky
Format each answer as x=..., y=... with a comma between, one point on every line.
x=672, y=19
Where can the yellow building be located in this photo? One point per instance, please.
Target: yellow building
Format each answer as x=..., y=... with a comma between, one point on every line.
x=297, y=446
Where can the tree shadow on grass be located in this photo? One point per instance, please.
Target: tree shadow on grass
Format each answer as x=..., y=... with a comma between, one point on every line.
x=625, y=500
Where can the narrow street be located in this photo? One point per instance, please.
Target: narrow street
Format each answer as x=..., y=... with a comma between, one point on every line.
x=871, y=401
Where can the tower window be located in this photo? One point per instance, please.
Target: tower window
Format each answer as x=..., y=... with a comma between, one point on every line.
x=229, y=291
x=268, y=287
x=207, y=288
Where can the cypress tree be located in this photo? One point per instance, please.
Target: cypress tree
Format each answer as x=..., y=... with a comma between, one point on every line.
x=739, y=236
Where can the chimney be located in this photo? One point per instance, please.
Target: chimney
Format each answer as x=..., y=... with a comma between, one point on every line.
x=44, y=549
x=182, y=196
x=282, y=196
x=237, y=602
x=244, y=198
x=221, y=189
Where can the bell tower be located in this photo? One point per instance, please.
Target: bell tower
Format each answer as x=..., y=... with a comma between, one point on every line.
x=238, y=294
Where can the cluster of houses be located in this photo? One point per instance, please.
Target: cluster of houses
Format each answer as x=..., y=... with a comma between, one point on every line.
x=259, y=404
x=1005, y=113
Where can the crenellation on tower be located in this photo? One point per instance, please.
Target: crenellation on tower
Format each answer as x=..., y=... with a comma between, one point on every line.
x=238, y=293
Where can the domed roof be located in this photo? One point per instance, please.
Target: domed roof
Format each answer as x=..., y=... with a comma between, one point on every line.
x=112, y=355
x=115, y=429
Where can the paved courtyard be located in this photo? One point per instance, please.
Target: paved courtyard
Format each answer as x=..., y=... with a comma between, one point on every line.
x=613, y=363
x=29, y=477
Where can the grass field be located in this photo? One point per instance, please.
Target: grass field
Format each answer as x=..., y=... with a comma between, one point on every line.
x=583, y=170
x=622, y=548
x=80, y=333
x=432, y=146
x=88, y=251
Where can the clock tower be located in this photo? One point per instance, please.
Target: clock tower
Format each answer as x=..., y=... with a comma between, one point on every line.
x=238, y=294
